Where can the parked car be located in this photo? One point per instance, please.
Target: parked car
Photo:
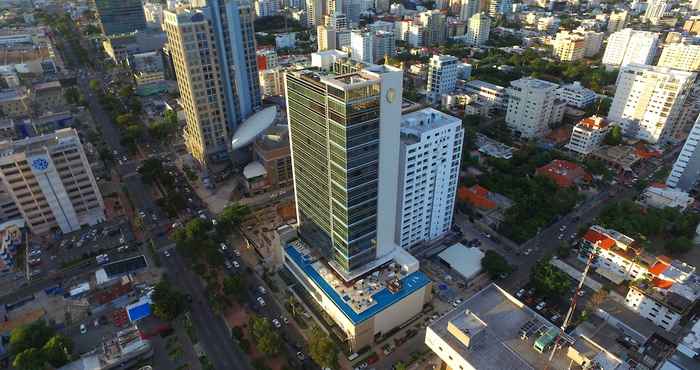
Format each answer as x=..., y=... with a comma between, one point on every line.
x=520, y=293
x=83, y=329
x=261, y=301
x=276, y=323
x=540, y=306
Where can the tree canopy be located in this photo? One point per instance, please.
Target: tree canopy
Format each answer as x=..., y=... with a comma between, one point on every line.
x=267, y=339
x=549, y=280
x=495, y=264
x=614, y=136
x=168, y=303
x=322, y=349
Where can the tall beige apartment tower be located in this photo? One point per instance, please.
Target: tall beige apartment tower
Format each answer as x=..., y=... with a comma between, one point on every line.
x=194, y=60
x=213, y=53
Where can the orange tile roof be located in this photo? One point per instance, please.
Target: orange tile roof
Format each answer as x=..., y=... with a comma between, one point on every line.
x=661, y=283
x=477, y=196
x=658, y=268
x=564, y=173
x=598, y=239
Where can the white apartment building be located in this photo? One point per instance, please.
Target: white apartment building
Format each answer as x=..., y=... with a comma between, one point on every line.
x=478, y=29
x=314, y=13
x=686, y=170
x=587, y=135
x=617, y=21
x=530, y=105
x=576, y=95
x=51, y=182
x=431, y=147
x=648, y=100
x=267, y=8
x=548, y=24
x=569, y=46
x=669, y=296
x=154, y=15
x=442, y=76
x=488, y=93
x=656, y=9
x=619, y=259
x=362, y=46
x=630, y=46
x=414, y=35
x=594, y=41
x=325, y=37
x=467, y=8
x=685, y=57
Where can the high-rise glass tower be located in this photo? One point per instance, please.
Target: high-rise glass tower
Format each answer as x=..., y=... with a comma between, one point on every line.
x=120, y=16
x=213, y=52
x=345, y=130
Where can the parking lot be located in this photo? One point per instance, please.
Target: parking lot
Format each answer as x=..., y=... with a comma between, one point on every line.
x=110, y=238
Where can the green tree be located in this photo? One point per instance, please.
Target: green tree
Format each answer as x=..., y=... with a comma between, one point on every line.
x=95, y=85
x=680, y=245
x=495, y=264
x=58, y=350
x=400, y=366
x=125, y=119
x=151, y=169
x=126, y=91
x=614, y=136
x=322, y=349
x=72, y=95
x=28, y=336
x=549, y=280
x=234, y=286
x=168, y=303
x=267, y=340
x=29, y=359
x=231, y=216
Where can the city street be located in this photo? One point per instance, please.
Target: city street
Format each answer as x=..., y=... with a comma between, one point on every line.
x=210, y=328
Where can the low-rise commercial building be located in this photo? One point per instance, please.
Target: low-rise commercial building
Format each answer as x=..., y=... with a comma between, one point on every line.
x=564, y=173
x=488, y=93
x=662, y=196
x=494, y=330
x=576, y=95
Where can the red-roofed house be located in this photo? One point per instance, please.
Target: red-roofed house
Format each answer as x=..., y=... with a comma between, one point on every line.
x=477, y=196
x=564, y=173
x=489, y=204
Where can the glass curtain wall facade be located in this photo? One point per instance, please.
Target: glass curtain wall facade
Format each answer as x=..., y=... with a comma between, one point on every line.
x=335, y=145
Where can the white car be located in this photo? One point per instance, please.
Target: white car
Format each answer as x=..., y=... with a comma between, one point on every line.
x=540, y=306
x=166, y=253
x=236, y=264
x=520, y=293
x=83, y=329
x=261, y=301
x=276, y=323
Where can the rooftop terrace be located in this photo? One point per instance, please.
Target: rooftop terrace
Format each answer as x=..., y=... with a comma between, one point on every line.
x=364, y=297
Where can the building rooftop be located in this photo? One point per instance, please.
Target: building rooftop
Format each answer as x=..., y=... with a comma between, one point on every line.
x=497, y=345
x=564, y=173
x=253, y=126
x=534, y=83
x=478, y=84
x=365, y=297
x=592, y=123
x=493, y=148
x=67, y=136
x=414, y=124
